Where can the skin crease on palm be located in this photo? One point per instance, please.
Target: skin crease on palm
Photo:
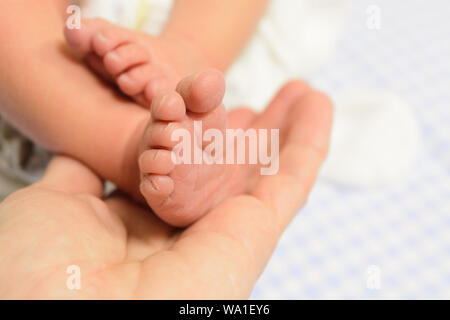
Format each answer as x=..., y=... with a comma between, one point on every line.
x=124, y=251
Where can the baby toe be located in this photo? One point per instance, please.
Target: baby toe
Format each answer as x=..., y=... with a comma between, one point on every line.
x=168, y=107
x=109, y=38
x=156, y=161
x=133, y=81
x=81, y=40
x=156, y=188
x=124, y=57
x=204, y=91
x=162, y=135
x=155, y=86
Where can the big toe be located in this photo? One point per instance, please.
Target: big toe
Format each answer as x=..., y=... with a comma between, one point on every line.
x=81, y=39
x=96, y=36
x=204, y=91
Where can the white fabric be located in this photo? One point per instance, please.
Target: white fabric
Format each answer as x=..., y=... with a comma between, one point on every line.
x=369, y=145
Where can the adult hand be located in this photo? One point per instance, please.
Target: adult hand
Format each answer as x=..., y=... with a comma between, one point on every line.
x=123, y=251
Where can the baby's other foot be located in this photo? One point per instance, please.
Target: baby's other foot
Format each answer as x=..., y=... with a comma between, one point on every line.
x=181, y=193
x=140, y=64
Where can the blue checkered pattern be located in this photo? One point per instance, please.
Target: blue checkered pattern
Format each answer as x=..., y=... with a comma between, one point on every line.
x=403, y=231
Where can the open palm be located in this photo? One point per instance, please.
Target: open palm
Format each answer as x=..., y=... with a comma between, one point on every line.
x=123, y=251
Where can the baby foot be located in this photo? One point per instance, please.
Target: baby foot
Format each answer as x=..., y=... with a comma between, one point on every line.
x=140, y=64
x=181, y=193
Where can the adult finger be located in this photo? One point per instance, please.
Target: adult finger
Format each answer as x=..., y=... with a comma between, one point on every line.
x=70, y=176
